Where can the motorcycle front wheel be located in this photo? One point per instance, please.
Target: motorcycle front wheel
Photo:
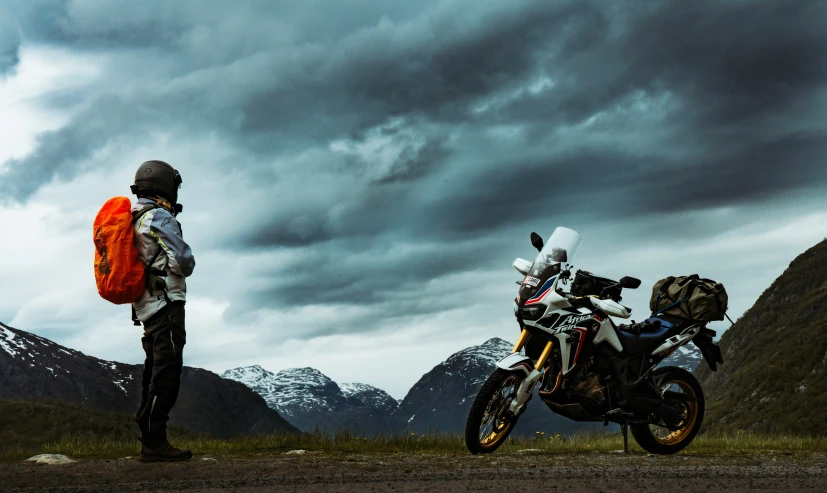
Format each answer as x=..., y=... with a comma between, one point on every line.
x=489, y=422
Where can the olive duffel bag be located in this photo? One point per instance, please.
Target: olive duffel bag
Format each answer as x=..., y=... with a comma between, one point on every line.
x=690, y=297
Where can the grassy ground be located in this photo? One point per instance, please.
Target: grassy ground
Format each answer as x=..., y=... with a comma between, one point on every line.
x=344, y=442
x=33, y=426
x=28, y=428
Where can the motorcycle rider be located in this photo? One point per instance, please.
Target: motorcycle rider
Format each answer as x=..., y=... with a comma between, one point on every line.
x=169, y=260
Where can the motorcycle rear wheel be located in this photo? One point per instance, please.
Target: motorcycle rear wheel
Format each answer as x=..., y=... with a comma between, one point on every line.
x=488, y=422
x=661, y=440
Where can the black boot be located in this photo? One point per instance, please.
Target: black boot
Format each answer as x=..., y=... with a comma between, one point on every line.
x=164, y=452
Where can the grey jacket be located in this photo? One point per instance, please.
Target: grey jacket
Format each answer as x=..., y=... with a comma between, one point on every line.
x=159, y=229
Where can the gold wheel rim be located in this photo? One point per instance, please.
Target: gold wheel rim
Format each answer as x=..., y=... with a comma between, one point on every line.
x=491, y=436
x=495, y=437
x=664, y=435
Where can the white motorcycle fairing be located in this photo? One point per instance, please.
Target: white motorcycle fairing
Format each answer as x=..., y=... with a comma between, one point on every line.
x=675, y=342
x=606, y=333
x=524, y=392
x=611, y=307
x=522, y=266
x=516, y=362
x=519, y=362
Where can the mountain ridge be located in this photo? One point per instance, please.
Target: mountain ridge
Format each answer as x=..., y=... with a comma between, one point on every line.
x=774, y=375
x=32, y=367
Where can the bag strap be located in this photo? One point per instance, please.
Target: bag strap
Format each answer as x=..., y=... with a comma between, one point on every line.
x=136, y=215
x=663, y=288
x=670, y=306
x=693, y=277
x=140, y=212
x=154, y=257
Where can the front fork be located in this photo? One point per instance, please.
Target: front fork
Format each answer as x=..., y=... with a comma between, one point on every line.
x=527, y=386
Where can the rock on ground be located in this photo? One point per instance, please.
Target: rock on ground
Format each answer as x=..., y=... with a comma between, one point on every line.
x=50, y=459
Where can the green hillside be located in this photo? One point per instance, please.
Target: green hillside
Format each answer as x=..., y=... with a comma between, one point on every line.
x=774, y=376
x=28, y=425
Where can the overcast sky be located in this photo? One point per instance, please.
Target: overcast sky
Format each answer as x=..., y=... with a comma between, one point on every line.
x=359, y=176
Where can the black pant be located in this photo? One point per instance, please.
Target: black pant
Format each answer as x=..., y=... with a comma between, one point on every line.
x=163, y=341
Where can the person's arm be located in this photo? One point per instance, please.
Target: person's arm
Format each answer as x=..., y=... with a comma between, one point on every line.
x=167, y=231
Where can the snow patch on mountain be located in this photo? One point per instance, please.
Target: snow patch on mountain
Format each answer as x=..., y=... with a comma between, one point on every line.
x=690, y=352
x=308, y=399
x=364, y=395
x=9, y=341
x=488, y=352
x=468, y=361
x=350, y=389
x=687, y=357
x=440, y=398
x=291, y=391
x=248, y=375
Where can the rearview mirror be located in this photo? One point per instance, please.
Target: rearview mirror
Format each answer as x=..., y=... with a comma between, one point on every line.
x=537, y=241
x=629, y=282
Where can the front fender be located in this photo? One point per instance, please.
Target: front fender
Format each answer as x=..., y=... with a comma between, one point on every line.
x=516, y=362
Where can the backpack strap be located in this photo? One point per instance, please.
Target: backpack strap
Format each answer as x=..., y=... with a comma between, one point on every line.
x=150, y=273
x=140, y=212
x=148, y=270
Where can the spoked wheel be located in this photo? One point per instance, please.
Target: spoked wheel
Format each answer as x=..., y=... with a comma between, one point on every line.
x=489, y=423
x=660, y=439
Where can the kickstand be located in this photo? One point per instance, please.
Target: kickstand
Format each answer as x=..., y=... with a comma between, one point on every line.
x=624, y=428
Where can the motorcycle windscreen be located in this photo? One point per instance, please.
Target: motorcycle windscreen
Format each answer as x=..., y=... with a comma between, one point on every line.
x=561, y=246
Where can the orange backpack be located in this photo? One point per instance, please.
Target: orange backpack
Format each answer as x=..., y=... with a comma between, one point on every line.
x=119, y=273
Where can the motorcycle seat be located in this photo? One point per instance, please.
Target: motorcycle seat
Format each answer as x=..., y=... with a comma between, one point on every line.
x=655, y=331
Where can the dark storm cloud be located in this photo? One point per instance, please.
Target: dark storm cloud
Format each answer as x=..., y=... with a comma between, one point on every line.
x=9, y=48
x=617, y=185
x=735, y=99
x=288, y=98
x=430, y=68
x=738, y=100
x=63, y=154
x=435, y=125
x=414, y=162
x=373, y=274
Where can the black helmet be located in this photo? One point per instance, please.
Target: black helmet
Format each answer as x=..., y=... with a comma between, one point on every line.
x=157, y=178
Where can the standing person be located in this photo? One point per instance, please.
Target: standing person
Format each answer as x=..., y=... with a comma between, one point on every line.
x=169, y=261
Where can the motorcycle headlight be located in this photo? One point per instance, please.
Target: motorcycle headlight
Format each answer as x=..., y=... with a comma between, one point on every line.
x=533, y=312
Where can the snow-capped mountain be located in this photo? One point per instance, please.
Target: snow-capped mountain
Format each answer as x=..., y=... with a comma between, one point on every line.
x=294, y=392
x=32, y=367
x=687, y=357
x=308, y=399
x=442, y=397
x=367, y=396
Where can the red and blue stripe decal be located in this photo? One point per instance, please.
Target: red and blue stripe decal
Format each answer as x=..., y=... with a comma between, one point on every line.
x=580, y=344
x=542, y=292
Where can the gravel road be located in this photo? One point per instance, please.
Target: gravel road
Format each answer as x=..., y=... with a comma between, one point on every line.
x=593, y=472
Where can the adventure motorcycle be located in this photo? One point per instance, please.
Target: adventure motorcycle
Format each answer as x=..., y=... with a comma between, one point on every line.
x=587, y=368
